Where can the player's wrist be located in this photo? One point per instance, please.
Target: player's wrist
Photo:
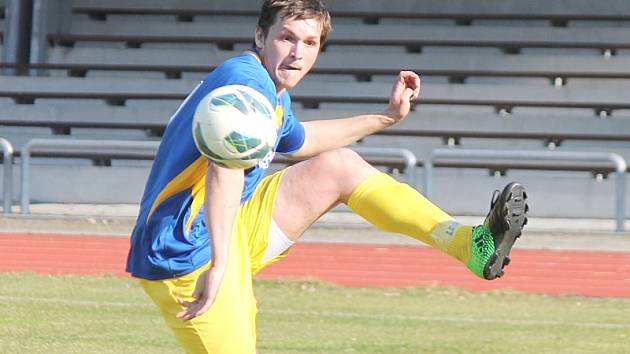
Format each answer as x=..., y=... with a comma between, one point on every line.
x=218, y=264
x=390, y=117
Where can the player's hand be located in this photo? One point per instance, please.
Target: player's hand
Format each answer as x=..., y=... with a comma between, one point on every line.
x=406, y=89
x=205, y=293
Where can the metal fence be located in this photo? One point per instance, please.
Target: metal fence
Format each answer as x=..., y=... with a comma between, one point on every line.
x=7, y=188
x=140, y=149
x=146, y=150
x=617, y=160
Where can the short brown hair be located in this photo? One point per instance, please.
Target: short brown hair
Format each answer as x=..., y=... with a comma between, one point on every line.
x=299, y=9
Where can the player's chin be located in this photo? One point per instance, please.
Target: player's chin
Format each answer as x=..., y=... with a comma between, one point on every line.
x=291, y=78
x=289, y=84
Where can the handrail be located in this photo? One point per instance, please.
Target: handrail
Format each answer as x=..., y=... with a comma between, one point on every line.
x=409, y=157
x=620, y=168
x=25, y=157
x=7, y=189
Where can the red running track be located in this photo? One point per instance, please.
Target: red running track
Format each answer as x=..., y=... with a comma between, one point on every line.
x=602, y=274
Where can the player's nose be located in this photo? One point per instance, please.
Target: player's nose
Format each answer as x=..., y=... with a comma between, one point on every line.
x=296, y=50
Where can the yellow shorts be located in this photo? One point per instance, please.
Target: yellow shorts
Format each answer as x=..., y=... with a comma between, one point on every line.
x=229, y=327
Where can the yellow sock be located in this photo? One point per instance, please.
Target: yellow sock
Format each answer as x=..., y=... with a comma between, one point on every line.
x=396, y=207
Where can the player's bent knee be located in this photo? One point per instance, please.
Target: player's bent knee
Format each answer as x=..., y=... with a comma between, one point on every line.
x=341, y=162
x=342, y=167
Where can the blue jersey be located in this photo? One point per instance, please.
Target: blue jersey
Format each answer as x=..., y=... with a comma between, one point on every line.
x=170, y=238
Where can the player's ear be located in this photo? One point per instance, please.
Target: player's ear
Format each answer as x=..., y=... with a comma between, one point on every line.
x=259, y=38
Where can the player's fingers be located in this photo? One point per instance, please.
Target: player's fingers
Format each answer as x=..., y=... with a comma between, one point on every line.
x=411, y=81
x=399, y=86
x=189, y=313
x=201, y=310
x=409, y=76
x=186, y=314
x=185, y=303
x=416, y=89
x=196, y=309
x=407, y=95
x=416, y=81
x=189, y=307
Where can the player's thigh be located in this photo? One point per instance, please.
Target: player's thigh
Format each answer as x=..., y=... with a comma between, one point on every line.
x=312, y=187
x=229, y=326
x=256, y=217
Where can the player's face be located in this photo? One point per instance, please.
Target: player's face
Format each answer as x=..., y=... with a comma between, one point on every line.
x=289, y=50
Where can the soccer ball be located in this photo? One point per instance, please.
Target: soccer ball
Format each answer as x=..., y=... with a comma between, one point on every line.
x=234, y=126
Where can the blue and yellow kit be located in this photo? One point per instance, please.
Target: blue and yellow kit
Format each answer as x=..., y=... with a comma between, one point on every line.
x=170, y=238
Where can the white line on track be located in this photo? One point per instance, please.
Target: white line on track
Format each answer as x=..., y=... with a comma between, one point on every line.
x=73, y=302
x=382, y=317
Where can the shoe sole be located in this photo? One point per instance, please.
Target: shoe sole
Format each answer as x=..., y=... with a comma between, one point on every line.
x=515, y=208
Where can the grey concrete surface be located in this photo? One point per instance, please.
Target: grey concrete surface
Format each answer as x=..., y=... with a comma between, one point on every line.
x=339, y=226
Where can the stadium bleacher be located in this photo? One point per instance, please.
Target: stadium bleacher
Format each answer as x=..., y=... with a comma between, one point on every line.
x=462, y=10
x=533, y=75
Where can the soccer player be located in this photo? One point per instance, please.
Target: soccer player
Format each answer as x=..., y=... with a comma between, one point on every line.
x=204, y=230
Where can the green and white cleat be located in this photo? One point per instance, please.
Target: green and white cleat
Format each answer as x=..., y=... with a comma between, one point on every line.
x=492, y=241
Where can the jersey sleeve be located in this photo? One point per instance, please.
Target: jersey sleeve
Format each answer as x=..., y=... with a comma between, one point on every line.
x=292, y=135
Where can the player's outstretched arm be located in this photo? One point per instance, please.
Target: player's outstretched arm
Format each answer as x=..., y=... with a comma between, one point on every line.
x=223, y=196
x=324, y=135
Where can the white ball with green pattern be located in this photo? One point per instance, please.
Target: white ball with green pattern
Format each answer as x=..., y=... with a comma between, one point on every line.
x=235, y=126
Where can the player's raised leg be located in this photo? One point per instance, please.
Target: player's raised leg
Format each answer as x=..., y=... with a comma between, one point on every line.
x=310, y=188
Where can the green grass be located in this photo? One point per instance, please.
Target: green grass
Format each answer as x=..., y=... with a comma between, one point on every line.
x=46, y=314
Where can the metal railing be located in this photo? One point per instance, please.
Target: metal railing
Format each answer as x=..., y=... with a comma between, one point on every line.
x=60, y=147
x=617, y=160
x=408, y=156
x=144, y=149
x=7, y=188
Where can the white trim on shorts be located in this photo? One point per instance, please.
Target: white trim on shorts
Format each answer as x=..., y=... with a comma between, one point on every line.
x=278, y=242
